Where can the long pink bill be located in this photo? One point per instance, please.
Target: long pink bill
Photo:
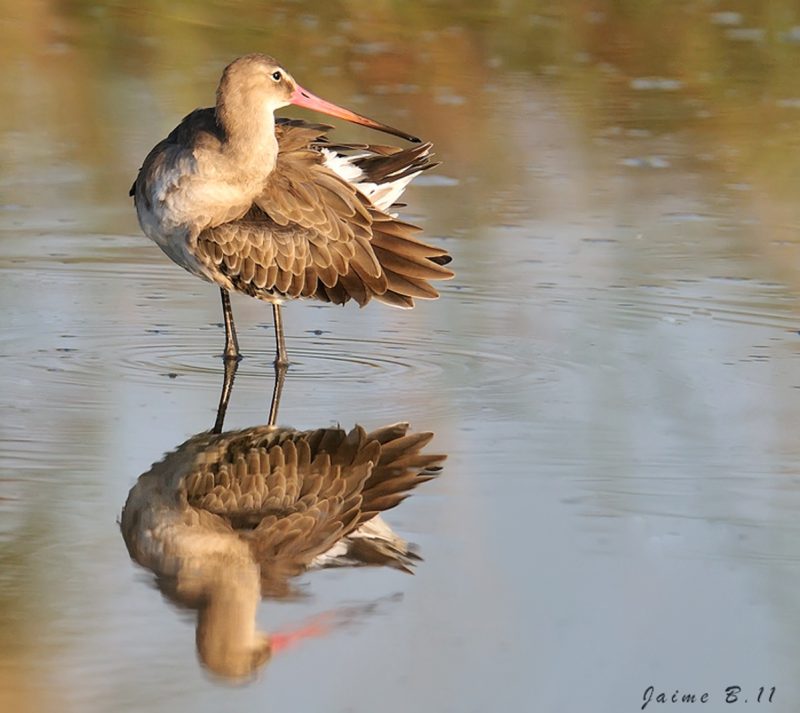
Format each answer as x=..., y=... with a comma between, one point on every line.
x=304, y=98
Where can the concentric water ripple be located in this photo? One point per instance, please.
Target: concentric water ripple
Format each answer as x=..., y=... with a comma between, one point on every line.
x=188, y=357
x=171, y=346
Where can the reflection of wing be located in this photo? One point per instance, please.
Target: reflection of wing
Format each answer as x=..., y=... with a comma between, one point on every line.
x=293, y=495
x=311, y=233
x=229, y=518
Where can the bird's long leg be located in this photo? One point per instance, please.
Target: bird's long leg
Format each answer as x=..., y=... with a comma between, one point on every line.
x=277, y=390
x=231, y=342
x=281, y=363
x=281, y=358
x=231, y=365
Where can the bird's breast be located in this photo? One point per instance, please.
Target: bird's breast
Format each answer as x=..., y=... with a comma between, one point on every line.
x=176, y=203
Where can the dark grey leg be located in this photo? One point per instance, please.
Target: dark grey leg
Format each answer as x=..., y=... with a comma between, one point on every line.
x=231, y=342
x=277, y=390
x=231, y=365
x=281, y=358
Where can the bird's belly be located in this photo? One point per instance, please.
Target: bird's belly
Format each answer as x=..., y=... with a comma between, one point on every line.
x=174, y=240
x=174, y=219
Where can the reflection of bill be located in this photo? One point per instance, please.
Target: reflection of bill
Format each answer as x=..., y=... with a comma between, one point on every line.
x=228, y=518
x=322, y=624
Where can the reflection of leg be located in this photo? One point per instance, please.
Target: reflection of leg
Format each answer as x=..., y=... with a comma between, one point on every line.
x=231, y=342
x=231, y=365
x=281, y=359
x=277, y=389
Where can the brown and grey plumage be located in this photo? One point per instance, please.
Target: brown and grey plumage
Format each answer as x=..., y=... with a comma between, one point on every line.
x=276, y=211
x=228, y=518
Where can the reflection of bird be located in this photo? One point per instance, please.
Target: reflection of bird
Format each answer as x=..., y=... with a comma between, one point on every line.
x=228, y=518
x=277, y=212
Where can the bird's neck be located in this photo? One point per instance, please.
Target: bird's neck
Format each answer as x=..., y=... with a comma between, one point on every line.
x=226, y=623
x=250, y=141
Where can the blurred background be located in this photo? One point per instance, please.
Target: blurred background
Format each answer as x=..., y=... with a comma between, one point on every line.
x=613, y=372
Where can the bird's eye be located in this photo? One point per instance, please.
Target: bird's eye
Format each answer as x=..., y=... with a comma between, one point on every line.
x=277, y=76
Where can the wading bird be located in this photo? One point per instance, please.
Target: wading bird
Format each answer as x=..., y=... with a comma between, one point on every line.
x=273, y=209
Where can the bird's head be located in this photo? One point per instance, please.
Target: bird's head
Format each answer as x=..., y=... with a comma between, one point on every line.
x=258, y=80
x=235, y=663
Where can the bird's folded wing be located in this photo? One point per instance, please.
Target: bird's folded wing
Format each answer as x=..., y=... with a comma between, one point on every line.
x=261, y=258
x=310, y=233
x=272, y=489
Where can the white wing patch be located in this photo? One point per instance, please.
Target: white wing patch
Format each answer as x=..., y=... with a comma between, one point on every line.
x=381, y=195
x=343, y=165
x=376, y=529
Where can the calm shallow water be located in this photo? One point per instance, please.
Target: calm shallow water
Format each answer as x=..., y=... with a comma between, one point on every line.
x=614, y=372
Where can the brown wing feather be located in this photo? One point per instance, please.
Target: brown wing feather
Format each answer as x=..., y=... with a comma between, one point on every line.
x=312, y=234
x=303, y=191
x=401, y=467
x=293, y=494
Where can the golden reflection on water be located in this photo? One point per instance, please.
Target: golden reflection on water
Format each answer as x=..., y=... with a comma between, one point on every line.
x=102, y=80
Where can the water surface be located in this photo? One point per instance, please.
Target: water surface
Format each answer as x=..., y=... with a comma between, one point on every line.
x=613, y=372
